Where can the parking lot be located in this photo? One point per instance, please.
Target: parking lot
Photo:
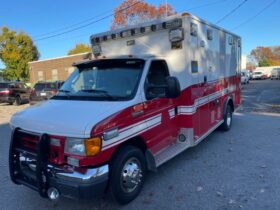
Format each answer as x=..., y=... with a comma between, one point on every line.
x=238, y=169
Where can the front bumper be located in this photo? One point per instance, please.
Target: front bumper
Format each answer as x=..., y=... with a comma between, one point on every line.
x=6, y=99
x=33, y=171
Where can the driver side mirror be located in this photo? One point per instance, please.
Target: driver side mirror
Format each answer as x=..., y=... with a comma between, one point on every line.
x=171, y=89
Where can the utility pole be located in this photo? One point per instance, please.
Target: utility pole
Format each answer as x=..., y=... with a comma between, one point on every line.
x=165, y=8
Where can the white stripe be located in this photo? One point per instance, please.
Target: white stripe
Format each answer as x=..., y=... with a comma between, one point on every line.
x=129, y=137
x=171, y=113
x=189, y=110
x=133, y=130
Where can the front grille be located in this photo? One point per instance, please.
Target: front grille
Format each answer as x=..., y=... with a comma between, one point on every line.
x=28, y=141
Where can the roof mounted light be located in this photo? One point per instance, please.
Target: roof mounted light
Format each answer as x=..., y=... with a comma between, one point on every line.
x=153, y=27
x=96, y=39
x=113, y=36
x=96, y=49
x=185, y=14
x=176, y=35
x=132, y=32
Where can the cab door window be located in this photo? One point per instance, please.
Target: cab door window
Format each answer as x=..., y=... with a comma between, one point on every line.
x=156, y=79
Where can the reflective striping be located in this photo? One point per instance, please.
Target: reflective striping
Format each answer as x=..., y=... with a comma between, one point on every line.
x=171, y=113
x=189, y=110
x=133, y=130
x=145, y=125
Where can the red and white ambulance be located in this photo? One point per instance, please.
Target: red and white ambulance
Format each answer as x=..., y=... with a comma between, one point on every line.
x=152, y=91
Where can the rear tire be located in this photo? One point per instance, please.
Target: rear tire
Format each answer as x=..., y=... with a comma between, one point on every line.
x=18, y=101
x=227, y=119
x=128, y=170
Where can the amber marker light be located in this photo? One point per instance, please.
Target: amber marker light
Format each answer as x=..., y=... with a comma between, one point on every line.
x=92, y=146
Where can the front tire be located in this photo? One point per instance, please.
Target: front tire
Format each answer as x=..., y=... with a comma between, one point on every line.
x=17, y=101
x=128, y=171
x=227, y=119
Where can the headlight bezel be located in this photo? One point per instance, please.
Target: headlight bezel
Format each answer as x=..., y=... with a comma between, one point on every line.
x=82, y=147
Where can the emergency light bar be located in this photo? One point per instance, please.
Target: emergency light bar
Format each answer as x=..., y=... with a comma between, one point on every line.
x=172, y=24
x=176, y=34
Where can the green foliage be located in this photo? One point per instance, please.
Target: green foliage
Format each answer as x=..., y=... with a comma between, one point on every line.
x=264, y=62
x=79, y=48
x=16, y=50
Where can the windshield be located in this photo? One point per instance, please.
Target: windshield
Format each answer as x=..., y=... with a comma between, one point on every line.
x=115, y=79
x=3, y=85
x=44, y=86
x=257, y=73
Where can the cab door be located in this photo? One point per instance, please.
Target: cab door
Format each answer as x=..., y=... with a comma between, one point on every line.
x=158, y=108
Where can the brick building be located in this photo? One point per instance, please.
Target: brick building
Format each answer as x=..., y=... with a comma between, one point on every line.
x=55, y=68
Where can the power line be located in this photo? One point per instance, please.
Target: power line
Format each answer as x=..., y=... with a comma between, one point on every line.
x=256, y=15
x=88, y=24
x=70, y=26
x=231, y=12
x=207, y=4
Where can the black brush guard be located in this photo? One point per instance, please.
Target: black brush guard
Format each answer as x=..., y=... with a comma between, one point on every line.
x=39, y=180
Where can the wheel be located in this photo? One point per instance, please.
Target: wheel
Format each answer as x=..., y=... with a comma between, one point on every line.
x=127, y=176
x=227, y=119
x=18, y=101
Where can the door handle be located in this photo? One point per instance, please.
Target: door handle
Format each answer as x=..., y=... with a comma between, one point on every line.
x=205, y=78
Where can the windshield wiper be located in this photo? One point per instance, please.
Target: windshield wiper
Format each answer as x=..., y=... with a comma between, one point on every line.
x=64, y=91
x=103, y=92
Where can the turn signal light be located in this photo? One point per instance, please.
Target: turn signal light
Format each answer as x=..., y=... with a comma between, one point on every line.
x=92, y=146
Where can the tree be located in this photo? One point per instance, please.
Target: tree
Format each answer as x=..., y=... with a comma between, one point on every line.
x=79, y=48
x=264, y=62
x=16, y=50
x=131, y=12
x=266, y=56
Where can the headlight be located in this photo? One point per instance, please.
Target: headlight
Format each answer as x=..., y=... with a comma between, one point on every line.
x=83, y=147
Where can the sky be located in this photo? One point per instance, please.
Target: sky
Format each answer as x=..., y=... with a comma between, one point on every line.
x=43, y=18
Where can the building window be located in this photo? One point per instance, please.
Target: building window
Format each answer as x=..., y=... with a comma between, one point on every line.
x=40, y=76
x=70, y=70
x=54, y=75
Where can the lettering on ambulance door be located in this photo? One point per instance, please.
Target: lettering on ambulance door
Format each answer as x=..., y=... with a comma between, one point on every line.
x=158, y=106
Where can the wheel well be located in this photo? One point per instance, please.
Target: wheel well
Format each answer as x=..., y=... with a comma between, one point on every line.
x=230, y=102
x=135, y=141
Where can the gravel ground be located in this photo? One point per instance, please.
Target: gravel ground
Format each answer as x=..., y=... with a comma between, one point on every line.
x=6, y=111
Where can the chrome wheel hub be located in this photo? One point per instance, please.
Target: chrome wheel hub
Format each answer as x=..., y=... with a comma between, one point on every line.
x=131, y=175
x=228, y=119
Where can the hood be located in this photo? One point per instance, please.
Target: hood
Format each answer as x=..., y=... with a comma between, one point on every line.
x=66, y=118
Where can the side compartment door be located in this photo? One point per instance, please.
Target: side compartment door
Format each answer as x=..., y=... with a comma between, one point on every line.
x=200, y=77
x=158, y=108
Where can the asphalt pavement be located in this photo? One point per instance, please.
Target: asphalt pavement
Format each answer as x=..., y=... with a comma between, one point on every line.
x=238, y=169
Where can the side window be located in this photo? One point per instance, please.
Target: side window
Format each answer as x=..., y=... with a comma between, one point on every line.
x=194, y=66
x=156, y=79
x=17, y=85
x=209, y=34
x=193, y=29
x=230, y=40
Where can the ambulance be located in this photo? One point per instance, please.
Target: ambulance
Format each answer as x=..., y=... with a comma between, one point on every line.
x=152, y=91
